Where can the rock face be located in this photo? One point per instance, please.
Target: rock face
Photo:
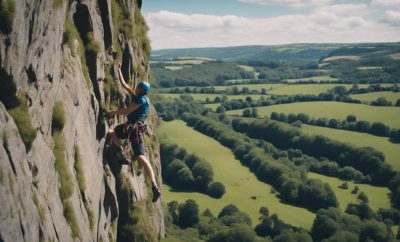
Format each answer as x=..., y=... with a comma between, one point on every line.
x=64, y=52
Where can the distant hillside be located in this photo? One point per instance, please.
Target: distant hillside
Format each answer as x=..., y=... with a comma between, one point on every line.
x=309, y=52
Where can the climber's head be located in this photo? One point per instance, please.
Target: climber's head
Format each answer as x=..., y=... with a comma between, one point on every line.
x=142, y=88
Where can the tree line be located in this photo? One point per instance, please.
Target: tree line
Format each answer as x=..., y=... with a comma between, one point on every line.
x=184, y=222
x=350, y=123
x=188, y=172
x=366, y=159
x=206, y=74
x=290, y=180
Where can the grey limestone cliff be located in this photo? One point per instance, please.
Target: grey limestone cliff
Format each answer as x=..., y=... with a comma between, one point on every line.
x=58, y=182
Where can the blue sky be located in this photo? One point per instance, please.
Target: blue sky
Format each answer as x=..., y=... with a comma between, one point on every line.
x=217, y=7
x=205, y=23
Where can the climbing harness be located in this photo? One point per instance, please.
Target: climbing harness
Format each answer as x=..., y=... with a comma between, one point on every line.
x=138, y=129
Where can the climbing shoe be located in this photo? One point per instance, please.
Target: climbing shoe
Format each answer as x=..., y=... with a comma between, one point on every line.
x=156, y=193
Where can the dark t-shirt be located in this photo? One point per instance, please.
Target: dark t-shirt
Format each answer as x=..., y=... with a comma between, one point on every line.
x=141, y=112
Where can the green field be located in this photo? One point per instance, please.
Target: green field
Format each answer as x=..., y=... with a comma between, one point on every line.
x=223, y=88
x=282, y=89
x=203, y=96
x=213, y=106
x=247, y=68
x=369, y=97
x=378, y=196
x=391, y=150
x=314, y=78
x=369, y=67
x=240, y=183
x=174, y=68
x=250, y=86
x=311, y=88
x=389, y=115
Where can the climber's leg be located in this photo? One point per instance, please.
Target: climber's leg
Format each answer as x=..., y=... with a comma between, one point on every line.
x=139, y=152
x=143, y=161
x=150, y=175
x=114, y=138
x=117, y=134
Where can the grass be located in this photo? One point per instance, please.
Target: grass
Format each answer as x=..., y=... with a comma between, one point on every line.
x=239, y=182
x=203, y=96
x=91, y=218
x=388, y=115
x=142, y=29
x=343, y=57
x=70, y=35
x=23, y=121
x=247, y=68
x=250, y=86
x=223, y=88
x=173, y=68
x=132, y=225
x=372, y=96
x=395, y=56
x=111, y=89
x=186, y=62
x=35, y=199
x=378, y=196
x=66, y=184
x=93, y=46
x=282, y=89
x=310, y=88
x=369, y=68
x=122, y=18
x=69, y=214
x=7, y=13
x=58, y=116
x=213, y=106
x=314, y=78
x=80, y=175
x=11, y=182
x=57, y=3
x=391, y=150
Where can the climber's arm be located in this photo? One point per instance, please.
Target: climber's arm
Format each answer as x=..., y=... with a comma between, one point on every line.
x=124, y=111
x=122, y=80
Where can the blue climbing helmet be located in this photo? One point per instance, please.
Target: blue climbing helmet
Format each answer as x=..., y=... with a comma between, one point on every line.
x=145, y=86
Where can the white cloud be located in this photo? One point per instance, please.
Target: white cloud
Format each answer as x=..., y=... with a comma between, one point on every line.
x=345, y=9
x=392, y=18
x=178, y=30
x=290, y=3
x=386, y=3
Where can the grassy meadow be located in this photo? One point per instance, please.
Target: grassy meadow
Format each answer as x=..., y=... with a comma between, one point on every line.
x=372, y=96
x=213, y=106
x=239, y=182
x=389, y=115
x=391, y=150
x=203, y=96
x=325, y=78
x=310, y=88
x=378, y=196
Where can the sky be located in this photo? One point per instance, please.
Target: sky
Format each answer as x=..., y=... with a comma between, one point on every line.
x=220, y=23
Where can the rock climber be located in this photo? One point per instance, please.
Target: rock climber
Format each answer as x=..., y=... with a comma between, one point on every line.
x=134, y=128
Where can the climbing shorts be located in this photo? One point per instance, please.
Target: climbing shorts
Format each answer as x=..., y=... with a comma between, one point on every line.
x=137, y=147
